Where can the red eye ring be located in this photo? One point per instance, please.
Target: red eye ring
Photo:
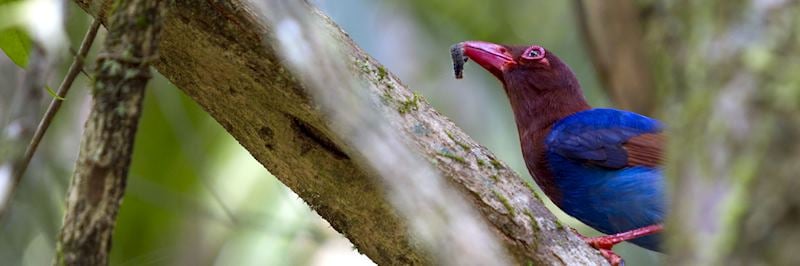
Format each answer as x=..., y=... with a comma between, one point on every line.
x=534, y=53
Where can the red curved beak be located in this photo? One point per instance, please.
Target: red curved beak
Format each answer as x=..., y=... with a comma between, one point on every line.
x=493, y=57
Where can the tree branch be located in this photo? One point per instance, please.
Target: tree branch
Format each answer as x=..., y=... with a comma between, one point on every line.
x=215, y=52
x=98, y=183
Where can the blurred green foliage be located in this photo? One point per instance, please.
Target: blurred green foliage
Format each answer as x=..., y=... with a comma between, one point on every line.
x=154, y=214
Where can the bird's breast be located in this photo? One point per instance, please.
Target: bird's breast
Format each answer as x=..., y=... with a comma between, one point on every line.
x=534, y=152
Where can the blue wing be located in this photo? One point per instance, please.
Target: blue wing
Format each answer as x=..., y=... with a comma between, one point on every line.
x=605, y=182
x=598, y=136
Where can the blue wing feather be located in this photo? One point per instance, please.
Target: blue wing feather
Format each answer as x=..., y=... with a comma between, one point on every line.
x=596, y=136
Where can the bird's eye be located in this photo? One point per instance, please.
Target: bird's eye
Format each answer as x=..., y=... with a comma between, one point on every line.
x=534, y=53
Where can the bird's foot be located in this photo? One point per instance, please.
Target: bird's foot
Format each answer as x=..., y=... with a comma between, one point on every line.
x=605, y=243
x=611, y=257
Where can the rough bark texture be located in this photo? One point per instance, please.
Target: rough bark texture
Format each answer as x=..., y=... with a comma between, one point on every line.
x=98, y=182
x=215, y=52
x=441, y=220
x=731, y=70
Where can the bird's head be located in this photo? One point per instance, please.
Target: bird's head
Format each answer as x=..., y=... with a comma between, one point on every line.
x=532, y=69
x=539, y=85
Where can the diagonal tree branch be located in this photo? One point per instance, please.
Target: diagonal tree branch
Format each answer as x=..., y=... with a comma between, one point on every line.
x=215, y=52
x=98, y=182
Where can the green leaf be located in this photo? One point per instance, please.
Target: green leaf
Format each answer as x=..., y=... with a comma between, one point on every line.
x=14, y=41
x=53, y=93
x=16, y=44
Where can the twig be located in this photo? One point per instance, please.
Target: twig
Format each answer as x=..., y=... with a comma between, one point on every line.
x=55, y=105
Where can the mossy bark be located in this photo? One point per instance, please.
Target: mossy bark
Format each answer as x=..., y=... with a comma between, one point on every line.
x=729, y=73
x=220, y=54
x=98, y=183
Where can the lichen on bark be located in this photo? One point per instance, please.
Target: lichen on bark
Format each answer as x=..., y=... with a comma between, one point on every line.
x=98, y=183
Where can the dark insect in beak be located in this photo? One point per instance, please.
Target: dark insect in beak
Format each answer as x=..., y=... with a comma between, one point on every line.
x=457, y=52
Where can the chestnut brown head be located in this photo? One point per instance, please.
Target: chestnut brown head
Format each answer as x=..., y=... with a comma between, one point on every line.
x=522, y=67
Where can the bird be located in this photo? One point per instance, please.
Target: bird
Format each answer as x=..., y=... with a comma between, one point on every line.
x=602, y=166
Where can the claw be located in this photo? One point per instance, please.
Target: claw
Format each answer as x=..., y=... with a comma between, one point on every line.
x=605, y=243
x=611, y=257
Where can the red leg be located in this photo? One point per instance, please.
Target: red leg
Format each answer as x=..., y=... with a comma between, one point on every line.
x=605, y=243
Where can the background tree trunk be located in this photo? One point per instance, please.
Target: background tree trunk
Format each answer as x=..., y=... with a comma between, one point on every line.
x=215, y=52
x=730, y=68
x=613, y=35
x=98, y=184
